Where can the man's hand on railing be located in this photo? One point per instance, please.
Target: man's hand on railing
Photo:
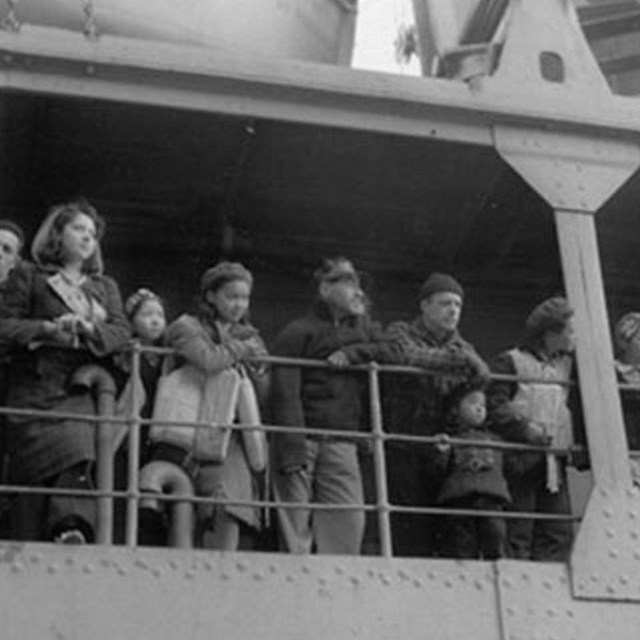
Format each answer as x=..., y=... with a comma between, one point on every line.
x=443, y=445
x=338, y=359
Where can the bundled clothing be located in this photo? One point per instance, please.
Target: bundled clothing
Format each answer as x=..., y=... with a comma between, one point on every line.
x=41, y=449
x=327, y=469
x=414, y=405
x=520, y=412
x=472, y=479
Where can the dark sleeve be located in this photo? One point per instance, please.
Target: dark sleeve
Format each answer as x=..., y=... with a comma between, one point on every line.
x=112, y=334
x=17, y=327
x=286, y=397
x=379, y=347
x=503, y=418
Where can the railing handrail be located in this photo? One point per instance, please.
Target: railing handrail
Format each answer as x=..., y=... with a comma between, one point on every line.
x=133, y=495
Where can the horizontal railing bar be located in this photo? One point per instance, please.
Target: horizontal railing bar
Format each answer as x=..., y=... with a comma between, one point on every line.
x=369, y=507
x=341, y=434
x=308, y=363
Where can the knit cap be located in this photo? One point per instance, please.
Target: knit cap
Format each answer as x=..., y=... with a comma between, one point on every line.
x=626, y=329
x=440, y=283
x=215, y=277
x=550, y=315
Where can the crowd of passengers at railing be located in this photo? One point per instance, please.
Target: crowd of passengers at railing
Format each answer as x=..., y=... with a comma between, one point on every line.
x=59, y=312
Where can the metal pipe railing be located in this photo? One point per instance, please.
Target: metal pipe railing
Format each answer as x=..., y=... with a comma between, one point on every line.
x=379, y=461
x=134, y=495
x=133, y=489
x=96, y=378
x=162, y=477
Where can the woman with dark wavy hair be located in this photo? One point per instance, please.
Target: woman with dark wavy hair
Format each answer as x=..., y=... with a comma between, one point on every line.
x=59, y=313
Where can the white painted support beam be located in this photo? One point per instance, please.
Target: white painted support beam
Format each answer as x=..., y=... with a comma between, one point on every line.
x=51, y=61
x=599, y=392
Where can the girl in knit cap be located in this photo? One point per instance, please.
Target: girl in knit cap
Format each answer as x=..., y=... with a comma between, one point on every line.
x=60, y=313
x=220, y=337
x=146, y=315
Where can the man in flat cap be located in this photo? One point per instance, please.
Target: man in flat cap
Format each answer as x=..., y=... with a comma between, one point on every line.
x=544, y=414
x=324, y=468
x=415, y=405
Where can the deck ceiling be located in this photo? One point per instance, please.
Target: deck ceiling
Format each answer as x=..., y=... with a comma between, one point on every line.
x=181, y=188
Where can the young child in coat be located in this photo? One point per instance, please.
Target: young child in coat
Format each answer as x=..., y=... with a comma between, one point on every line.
x=146, y=315
x=472, y=478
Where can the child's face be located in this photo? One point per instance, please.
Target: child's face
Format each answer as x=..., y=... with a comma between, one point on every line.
x=473, y=409
x=149, y=322
x=231, y=300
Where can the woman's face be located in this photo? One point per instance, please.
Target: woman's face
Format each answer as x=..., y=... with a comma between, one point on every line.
x=78, y=239
x=231, y=300
x=149, y=322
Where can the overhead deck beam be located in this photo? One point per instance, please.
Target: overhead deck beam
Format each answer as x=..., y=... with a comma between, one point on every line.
x=58, y=62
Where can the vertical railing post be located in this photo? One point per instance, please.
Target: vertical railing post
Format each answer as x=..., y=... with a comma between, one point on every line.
x=133, y=491
x=380, y=467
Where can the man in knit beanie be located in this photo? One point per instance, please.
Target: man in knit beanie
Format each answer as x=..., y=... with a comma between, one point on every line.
x=539, y=414
x=414, y=404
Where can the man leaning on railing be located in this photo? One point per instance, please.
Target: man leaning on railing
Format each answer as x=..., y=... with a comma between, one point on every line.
x=324, y=469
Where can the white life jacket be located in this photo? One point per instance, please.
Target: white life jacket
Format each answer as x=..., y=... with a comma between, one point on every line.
x=545, y=404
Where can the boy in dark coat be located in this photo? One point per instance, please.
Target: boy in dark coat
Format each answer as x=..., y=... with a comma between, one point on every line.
x=473, y=479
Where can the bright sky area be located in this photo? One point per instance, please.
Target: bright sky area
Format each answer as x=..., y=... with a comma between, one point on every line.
x=379, y=22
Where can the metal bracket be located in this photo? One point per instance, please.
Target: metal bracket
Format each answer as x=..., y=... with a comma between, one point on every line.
x=545, y=46
x=570, y=171
x=606, y=556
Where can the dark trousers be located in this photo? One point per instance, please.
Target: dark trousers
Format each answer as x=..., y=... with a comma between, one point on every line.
x=43, y=517
x=475, y=536
x=545, y=540
x=409, y=484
